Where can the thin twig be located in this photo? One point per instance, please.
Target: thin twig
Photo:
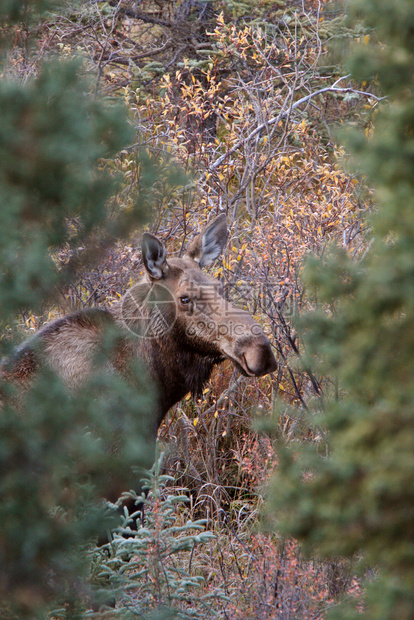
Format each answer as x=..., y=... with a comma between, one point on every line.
x=283, y=113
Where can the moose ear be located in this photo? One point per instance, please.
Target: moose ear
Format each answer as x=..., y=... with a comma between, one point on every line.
x=210, y=243
x=154, y=256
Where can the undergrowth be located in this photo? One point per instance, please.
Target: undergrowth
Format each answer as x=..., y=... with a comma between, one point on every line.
x=163, y=563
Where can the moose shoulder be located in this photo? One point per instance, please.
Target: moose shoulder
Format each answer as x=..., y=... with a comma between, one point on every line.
x=175, y=321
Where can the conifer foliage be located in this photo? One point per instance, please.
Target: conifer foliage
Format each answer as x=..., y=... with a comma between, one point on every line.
x=356, y=495
x=54, y=460
x=150, y=562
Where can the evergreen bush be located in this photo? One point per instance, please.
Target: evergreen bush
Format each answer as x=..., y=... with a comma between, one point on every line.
x=352, y=493
x=56, y=456
x=149, y=565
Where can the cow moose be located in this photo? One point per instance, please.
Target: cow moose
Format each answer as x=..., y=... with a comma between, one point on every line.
x=174, y=320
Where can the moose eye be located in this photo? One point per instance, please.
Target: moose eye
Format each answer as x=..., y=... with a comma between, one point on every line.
x=184, y=300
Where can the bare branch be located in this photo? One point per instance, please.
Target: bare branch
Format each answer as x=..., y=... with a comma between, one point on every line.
x=283, y=113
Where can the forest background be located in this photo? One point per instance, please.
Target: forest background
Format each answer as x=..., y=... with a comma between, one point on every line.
x=296, y=119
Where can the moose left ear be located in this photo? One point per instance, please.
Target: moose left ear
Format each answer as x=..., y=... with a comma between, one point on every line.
x=210, y=243
x=154, y=256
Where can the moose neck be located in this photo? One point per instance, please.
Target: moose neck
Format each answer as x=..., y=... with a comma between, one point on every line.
x=176, y=371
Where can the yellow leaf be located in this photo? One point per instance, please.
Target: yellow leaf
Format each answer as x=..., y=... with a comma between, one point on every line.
x=216, y=415
x=195, y=421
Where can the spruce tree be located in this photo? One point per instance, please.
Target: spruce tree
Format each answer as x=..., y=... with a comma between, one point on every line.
x=56, y=460
x=356, y=496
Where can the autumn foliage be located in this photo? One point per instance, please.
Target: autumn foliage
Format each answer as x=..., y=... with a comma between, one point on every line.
x=234, y=107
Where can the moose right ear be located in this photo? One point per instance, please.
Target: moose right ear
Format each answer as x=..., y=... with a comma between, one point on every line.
x=154, y=256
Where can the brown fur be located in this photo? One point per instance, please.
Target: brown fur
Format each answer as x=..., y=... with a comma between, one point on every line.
x=192, y=329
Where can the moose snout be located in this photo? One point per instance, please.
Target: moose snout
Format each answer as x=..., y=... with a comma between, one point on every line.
x=259, y=359
x=254, y=355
